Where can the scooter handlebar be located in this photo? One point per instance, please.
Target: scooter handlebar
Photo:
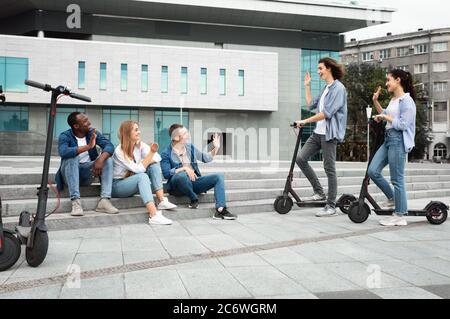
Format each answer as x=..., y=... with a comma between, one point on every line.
x=294, y=125
x=45, y=87
x=80, y=97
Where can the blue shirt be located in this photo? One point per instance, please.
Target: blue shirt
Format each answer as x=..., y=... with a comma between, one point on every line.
x=335, y=110
x=170, y=161
x=406, y=121
x=68, y=148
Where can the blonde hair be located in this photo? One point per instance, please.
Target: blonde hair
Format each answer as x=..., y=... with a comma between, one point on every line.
x=126, y=144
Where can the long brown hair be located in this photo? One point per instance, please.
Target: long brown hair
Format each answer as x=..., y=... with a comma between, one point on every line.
x=337, y=69
x=127, y=145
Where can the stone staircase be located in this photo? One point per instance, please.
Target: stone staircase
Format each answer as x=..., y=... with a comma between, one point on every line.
x=251, y=188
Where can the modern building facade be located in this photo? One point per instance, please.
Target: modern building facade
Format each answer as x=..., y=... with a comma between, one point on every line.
x=233, y=67
x=426, y=54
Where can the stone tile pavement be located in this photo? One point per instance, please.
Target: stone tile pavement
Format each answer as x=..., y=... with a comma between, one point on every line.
x=264, y=255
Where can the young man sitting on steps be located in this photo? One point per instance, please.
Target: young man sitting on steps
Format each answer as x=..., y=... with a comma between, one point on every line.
x=180, y=168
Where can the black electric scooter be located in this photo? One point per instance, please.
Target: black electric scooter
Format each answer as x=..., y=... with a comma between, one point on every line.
x=32, y=231
x=359, y=212
x=283, y=204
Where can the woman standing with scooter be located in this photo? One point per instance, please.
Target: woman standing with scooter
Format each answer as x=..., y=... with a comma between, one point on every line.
x=400, y=116
x=331, y=119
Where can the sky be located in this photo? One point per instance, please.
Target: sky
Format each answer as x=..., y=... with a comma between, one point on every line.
x=410, y=16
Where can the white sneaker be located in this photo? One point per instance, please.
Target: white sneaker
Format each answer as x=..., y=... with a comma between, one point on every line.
x=77, y=209
x=395, y=220
x=159, y=219
x=315, y=198
x=327, y=211
x=166, y=205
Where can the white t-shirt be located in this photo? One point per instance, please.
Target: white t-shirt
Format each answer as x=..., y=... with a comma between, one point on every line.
x=84, y=157
x=321, y=126
x=393, y=110
x=123, y=164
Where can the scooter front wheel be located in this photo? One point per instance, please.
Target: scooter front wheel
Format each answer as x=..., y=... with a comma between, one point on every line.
x=35, y=255
x=11, y=251
x=283, y=205
x=357, y=215
x=437, y=214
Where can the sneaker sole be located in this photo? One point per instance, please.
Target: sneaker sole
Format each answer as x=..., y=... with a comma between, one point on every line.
x=161, y=208
x=106, y=212
x=321, y=216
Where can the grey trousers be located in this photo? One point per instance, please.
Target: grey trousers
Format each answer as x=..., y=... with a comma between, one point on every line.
x=314, y=144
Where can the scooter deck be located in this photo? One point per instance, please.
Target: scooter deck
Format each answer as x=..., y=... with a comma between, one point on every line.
x=311, y=204
x=411, y=213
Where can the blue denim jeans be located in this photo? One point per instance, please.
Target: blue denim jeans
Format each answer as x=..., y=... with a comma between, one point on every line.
x=392, y=152
x=76, y=174
x=143, y=183
x=181, y=185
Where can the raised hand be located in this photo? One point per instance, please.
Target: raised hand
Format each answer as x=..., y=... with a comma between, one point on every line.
x=216, y=141
x=93, y=141
x=376, y=95
x=307, y=79
x=154, y=147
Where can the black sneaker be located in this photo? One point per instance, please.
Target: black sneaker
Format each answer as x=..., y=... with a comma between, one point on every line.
x=225, y=214
x=193, y=204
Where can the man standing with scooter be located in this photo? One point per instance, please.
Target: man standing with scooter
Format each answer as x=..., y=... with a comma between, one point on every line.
x=80, y=162
x=331, y=119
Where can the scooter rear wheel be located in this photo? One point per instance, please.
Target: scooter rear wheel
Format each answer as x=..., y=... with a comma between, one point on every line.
x=437, y=214
x=283, y=205
x=356, y=215
x=36, y=255
x=345, y=202
x=11, y=251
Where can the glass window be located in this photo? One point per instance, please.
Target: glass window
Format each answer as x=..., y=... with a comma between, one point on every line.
x=3, y=72
x=113, y=118
x=223, y=82
x=421, y=48
x=123, y=77
x=440, y=151
x=403, y=67
x=13, y=73
x=367, y=56
x=164, y=79
x=144, y=78
x=440, y=47
x=440, y=67
x=420, y=68
x=163, y=121
x=241, y=82
x=385, y=54
x=203, y=81
x=13, y=118
x=440, y=87
x=184, y=80
x=102, y=76
x=440, y=112
x=404, y=51
x=81, y=75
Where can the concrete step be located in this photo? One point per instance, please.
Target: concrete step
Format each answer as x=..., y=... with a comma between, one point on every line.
x=63, y=221
x=11, y=192
x=24, y=177
x=14, y=207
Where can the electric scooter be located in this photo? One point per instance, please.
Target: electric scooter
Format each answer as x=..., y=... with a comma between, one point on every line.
x=283, y=204
x=359, y=212
x=32, y=231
